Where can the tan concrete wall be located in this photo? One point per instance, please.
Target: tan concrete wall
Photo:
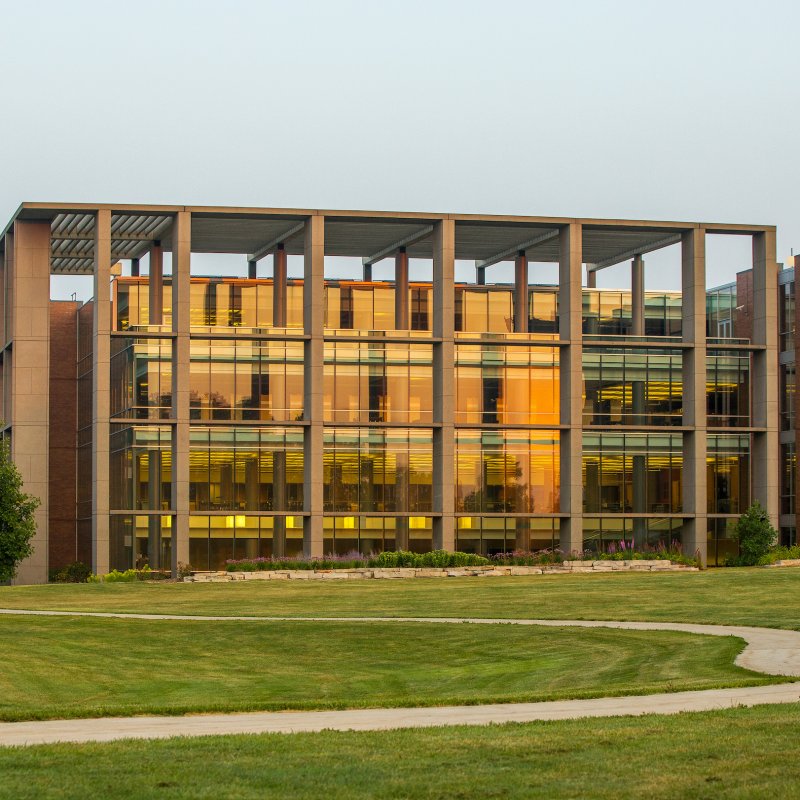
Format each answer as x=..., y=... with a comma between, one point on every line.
x=313, y=326
x=101, y=398
x=30, y=389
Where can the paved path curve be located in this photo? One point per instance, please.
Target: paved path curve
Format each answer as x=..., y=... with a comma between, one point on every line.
x=768, y=650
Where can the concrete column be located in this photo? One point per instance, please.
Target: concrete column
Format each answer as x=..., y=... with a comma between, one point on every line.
x=570, y=325
x=154, y=503
x=637, y=296
x=279, y=287
x=401, y=322
x=314, y=365
x=766, y=444
x=156, y=284
x=279, y=503
x=639, y=466
x=521, y=293
x=30, y=380
x=101, y=392
x=444, y=245
x=591, y=279
x=695, y=492
x=181, y=305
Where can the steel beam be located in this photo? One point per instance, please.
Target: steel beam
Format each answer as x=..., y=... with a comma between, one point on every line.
x=266, y=249
x=626, y=255
x=513, y=252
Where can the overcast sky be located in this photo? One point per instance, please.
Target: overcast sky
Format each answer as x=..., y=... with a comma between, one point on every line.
x=662, y=110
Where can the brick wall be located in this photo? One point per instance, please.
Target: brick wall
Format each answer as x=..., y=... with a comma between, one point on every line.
x=63, y=440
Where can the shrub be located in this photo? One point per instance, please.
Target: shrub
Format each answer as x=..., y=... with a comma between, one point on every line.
x=779, y=554
x=388, y=559
x=128, y=576
x=755, y=534
x=17, y=523
x=77, y=572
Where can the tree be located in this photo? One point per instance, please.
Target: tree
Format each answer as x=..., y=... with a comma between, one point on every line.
x=17, y=523
x=755, y=534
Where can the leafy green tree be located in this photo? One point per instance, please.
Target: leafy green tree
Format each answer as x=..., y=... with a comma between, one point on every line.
x=17, y=523
x=755, y=534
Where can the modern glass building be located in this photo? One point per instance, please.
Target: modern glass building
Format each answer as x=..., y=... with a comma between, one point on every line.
x=182, y=418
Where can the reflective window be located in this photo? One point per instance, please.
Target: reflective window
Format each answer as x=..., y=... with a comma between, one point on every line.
x=632, y=473
x=141, y=377
x=368, y=535
x=491, y=535
x=140, y=467
x=246, y=379
x=788, y=477
x=378, y=469
x=506, y=471
x=786, y=318
x=787, y=372
x=605, y=534
x=728, y=458
x=507, y=384
x=378, y=382
x=246, y=469
x=728, y=388
x=630, y=386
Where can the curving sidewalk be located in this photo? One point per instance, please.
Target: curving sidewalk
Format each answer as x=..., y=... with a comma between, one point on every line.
x=768, y=650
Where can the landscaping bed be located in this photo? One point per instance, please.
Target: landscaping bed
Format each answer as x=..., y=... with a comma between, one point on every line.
x=482, y=571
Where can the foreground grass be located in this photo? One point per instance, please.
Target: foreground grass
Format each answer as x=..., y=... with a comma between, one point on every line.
x=82, y=667
x=738, y=753
x=766, y=597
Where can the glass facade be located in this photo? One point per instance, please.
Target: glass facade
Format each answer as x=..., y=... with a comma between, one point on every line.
x=627, y=473
x=507, y=385
x=378, y=382
x=248, y=434
x=728, y=388
x=507, y=471
x=632, y=386
x=246, y=469
x=378, y=470
x=728, y=477
x=247, y=379
x=609, y=313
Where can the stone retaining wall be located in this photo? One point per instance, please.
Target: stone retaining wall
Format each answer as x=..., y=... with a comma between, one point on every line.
x=786, y=562
x=565, y=568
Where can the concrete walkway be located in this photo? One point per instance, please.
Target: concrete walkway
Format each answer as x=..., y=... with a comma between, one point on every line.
x=768, y=650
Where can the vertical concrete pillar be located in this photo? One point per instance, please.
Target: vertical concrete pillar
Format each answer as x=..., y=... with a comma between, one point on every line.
x=521, y=293
x=591, y=279
x=401, y=290
x=766, y=443
x=154, y=503
x=279, y=503
x=570, y=323
x=637, y=296
x=444, y=245
x=695, y=492
x=30, y=380
x=279, y=270
x=101, y=392
x=313, y=374
x=156, y=284
x=639, y=466
x=181, y=308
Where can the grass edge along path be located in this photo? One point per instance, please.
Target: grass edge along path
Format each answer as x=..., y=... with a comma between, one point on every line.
x=340, y=663
x=729, y=754
x=743, y=596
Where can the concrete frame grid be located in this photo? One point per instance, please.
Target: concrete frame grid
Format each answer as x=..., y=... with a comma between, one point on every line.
x=28, y=261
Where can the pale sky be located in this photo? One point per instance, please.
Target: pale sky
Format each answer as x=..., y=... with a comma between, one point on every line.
x=679, y=110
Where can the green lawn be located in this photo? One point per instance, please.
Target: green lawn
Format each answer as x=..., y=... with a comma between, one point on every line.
x=768, y=597
x=80, y=667
x=737, y=753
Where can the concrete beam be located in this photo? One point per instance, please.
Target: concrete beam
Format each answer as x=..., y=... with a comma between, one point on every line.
x=267, y=248
x=659, y=244
x=511, y=252
x=391, y=249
